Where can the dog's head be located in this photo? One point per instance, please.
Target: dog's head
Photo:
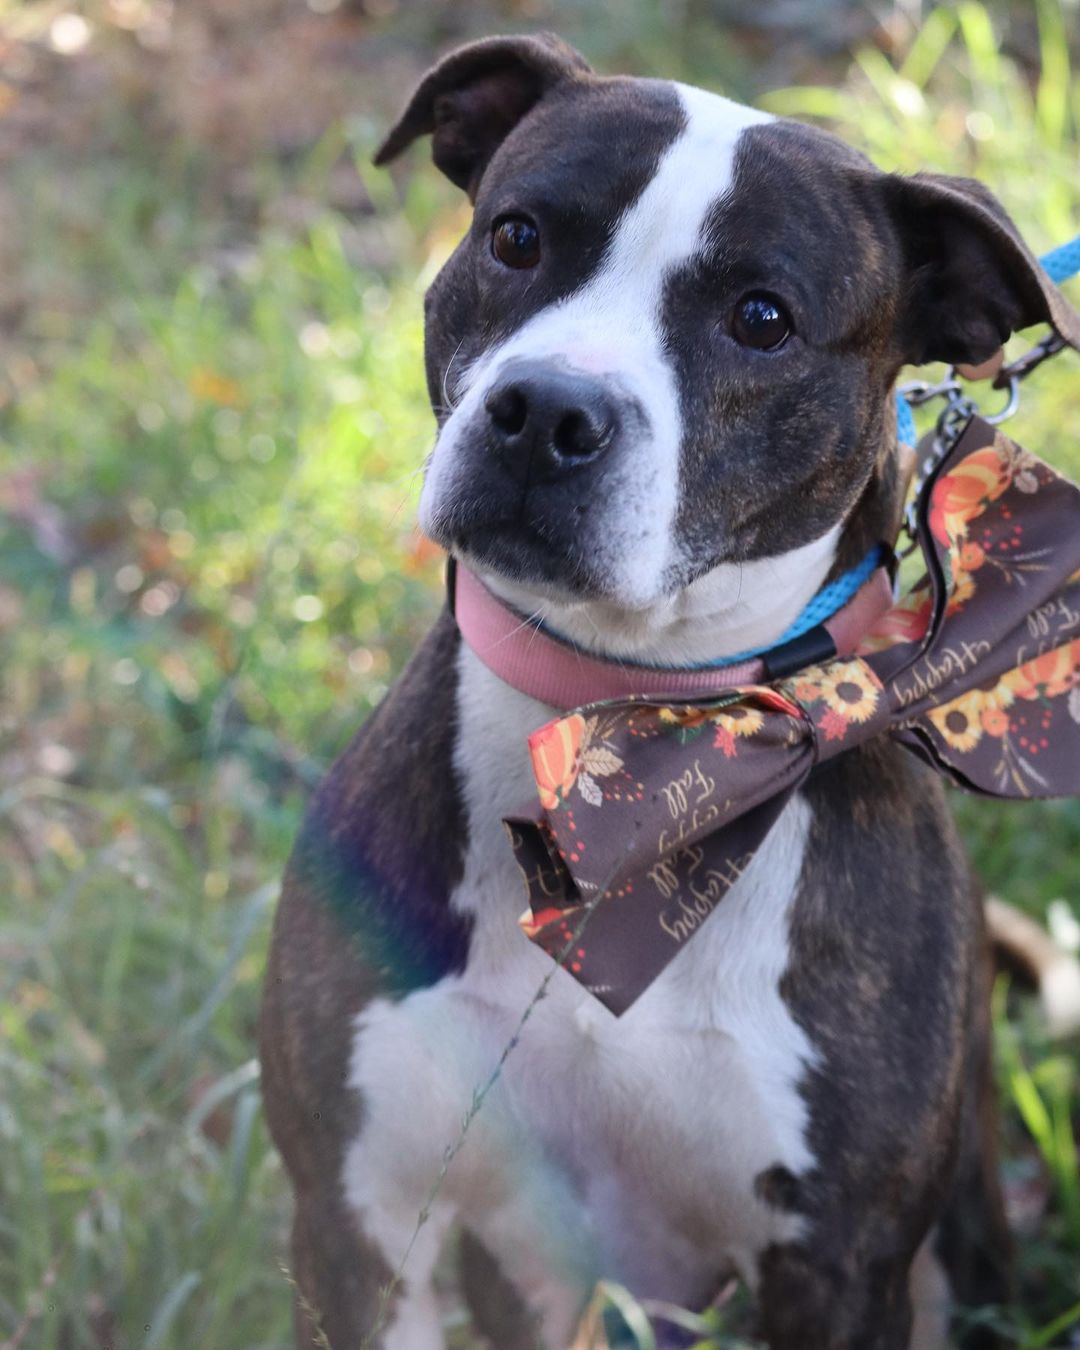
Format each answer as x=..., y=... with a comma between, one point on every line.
x=666, y=347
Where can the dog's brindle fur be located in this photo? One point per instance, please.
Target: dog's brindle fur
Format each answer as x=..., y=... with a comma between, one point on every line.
x=804, y=1095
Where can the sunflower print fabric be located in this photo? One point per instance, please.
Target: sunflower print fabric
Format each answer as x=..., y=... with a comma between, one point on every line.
x=649, y=813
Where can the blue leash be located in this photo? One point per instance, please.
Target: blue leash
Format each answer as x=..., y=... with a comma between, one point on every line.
x=1062, y=262
x=1059, y=264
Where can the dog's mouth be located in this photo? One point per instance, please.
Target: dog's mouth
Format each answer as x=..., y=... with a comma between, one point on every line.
x=526, y=555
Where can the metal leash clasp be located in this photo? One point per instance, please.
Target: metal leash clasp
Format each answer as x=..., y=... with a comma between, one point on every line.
x=1022, y=367
x=918, y=392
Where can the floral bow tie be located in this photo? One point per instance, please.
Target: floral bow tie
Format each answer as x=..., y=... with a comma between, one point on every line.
x=649, y=813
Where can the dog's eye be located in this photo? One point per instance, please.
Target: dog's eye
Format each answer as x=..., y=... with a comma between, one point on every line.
x=515, y=241
x=760, y=321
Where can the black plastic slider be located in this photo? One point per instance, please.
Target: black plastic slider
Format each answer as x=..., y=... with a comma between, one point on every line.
x=806, y=650
x=451, y=584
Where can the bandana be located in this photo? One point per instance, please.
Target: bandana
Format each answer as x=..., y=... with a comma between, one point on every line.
x=650, y=808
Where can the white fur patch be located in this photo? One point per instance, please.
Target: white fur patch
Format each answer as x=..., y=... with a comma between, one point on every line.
x=736, y=607
x=931, y=1300
x=623, y=1147
x=612, y=326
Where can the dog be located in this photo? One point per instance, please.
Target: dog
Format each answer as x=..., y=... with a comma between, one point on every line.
x=662, y=364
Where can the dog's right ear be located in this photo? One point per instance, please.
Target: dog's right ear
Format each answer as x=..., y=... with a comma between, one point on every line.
x=475, y=97
x=971, y=279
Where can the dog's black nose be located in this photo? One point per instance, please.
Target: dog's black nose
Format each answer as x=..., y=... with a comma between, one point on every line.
x=544, y=421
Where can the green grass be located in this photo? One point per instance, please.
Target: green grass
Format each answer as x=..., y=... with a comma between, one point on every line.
x=209, y=444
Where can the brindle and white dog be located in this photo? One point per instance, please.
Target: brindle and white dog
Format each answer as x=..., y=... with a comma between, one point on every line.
x=662, y=364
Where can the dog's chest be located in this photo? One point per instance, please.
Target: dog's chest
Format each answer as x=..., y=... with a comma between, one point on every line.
x=645, y=1132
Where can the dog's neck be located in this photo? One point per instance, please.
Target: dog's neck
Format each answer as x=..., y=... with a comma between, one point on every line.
x=735, y=607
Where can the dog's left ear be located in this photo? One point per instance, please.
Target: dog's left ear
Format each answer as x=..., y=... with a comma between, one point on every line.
x=471, y=101
x=971, y=279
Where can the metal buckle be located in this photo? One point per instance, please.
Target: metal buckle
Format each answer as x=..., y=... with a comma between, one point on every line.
x=1022, y=367
x=918, y=392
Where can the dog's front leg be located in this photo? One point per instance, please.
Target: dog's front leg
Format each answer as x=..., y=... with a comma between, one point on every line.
x=355, y=1214
x=817, y=1296
x=337, y=1274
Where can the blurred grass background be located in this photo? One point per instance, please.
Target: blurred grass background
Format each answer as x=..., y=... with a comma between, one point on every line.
x=212, y=418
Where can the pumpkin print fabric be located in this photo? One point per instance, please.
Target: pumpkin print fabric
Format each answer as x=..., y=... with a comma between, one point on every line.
x=648, y=813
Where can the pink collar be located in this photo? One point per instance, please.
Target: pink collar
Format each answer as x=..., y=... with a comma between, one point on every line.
x=546, y=668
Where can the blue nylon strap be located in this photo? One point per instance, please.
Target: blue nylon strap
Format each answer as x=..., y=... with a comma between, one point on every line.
x=1059, y=265
x=1062, y=262
x=905, y=421
x=823, y=606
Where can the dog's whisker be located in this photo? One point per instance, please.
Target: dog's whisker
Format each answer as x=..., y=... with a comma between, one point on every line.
x=448, y=401
x=531, y=621
x=537, y=622
x=408, y=479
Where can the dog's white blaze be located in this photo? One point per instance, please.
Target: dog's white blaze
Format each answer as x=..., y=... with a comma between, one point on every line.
x=613, y=326
x=603, y=1135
